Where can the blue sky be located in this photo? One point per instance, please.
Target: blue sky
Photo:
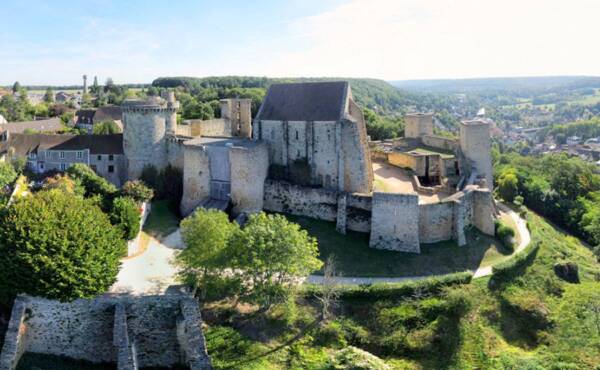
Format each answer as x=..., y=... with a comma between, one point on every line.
x=55, y=42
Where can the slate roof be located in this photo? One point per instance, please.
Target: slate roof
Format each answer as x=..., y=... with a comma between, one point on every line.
x=46, y=125
x=109, y=112
x=307, y=101
x=97, y=144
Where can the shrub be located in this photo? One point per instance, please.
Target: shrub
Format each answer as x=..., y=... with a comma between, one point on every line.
x=567, y=271
x=331, y=334
x=150, y=177
x=506, y=235
x=92, y=183
x=63, y=183
x=507, y=270
x=125, y=214
x=58, y=246
x=137, y=190
x=7, y=174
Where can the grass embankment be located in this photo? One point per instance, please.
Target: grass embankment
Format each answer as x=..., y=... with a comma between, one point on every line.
x=161, y=221
x=354, y=257
x=529, y=319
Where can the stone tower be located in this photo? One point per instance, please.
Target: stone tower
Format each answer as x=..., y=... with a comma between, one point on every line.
x=418, y=124
x=475, y=144
x=85, y=91
x=147, y=124
x=239, y=113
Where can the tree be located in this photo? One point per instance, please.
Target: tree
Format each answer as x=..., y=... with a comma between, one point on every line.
x=58, y=246
x=7, y=174
x=206, y=235
x=125, y=214
x=508, y=185
x=63, y=183
x=330, y=290
x=137, y=190
x=106, y=128
x=49, y=96
x=93, y=184
x=150, y=177
x=16, y=87
x=269, y=254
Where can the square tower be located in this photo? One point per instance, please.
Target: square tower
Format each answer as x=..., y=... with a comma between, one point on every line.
x=475, y=144
x=418, y=124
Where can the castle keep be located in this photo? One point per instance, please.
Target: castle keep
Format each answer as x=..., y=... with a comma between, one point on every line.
x=307, y=153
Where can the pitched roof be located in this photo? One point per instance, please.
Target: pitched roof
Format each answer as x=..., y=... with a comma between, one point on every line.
x=109, y=112
x=46, y=125
x=97, y=144
x=307, y=101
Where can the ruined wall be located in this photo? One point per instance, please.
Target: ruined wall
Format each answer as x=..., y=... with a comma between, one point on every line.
x=210, y=127
x=436, y=222
x=395, y=222
x=357, y=167
x=440, y=142
x=407, y=160
x=483, y=211
x=249, y=169
x=128, y=331
x=358, y=212
x=196, y=178
x=284, y=197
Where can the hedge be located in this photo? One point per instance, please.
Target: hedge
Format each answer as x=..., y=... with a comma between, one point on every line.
x=509, y=268
x=432, y=285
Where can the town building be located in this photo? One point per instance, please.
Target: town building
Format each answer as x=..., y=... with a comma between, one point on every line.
x=87, y=118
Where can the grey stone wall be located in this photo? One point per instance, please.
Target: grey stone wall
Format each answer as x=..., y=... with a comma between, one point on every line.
x=284, y=197
x=440, y=142
x=131, y=332
x=475, y=144
x=358, y=170
x=175, y=149
x=196, y=178
x=483, y=211
x=395, y=222
x=358, y=212
x=249, y=169
x=436, y=222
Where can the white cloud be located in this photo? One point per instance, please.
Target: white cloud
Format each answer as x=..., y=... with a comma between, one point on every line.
x=398, y=39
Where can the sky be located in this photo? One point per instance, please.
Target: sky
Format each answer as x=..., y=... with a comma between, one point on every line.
x=56, y=42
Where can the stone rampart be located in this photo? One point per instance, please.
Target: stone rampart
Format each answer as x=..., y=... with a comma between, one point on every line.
x=249, y=169
x=395, y=222
x=440, y=142
x=129, y=332
x=196, y=178
x=284, y=197
x=436, y=222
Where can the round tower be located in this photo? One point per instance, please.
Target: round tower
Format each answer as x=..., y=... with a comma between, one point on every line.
x=145, y=124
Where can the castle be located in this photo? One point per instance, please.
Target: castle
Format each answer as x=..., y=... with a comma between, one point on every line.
x=306, y=153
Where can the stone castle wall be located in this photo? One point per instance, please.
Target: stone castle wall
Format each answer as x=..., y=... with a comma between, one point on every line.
x=395, y=222
x=210, y=127
x=436, y=222
x=358, y=170
x=440, y=142
x=138, y=331
x=196, y=178
x=249, y=169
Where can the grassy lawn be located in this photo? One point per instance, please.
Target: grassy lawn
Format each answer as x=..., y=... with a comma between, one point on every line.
x=161, y=220
x=355, y=258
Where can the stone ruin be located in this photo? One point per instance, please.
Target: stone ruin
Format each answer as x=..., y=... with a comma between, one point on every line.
x=130, y=332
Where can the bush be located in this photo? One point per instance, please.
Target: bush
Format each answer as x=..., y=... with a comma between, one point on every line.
x=378, y=291
x=7, y=174
x=93, y=184
x=171, y=190
x=507, y=270
x=506, y=235
x=330, y=334
x=63, y=183
x=58, y=246
x=125, y=214
x=137, y=190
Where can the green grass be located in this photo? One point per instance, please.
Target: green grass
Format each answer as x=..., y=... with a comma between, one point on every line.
x=354, y=257
x=472, y=326
x=161, y=220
